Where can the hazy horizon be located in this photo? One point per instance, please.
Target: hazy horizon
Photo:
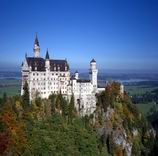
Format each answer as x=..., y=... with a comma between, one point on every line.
x=86, y=70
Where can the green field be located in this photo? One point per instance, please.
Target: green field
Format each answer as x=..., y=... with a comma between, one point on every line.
x=145, y=108
x=10, y=87
x=139, y=90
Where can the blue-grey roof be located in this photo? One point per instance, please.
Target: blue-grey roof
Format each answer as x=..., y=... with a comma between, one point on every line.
x=39, y=63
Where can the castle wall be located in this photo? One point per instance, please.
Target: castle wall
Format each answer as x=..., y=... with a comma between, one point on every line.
x=46, y=77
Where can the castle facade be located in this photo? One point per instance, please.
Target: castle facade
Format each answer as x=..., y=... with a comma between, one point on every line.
x=47, y=76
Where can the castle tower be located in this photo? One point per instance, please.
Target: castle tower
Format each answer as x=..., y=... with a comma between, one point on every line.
x=36, y=48
x=121, y=88
x=47, y=62
x=93, y=73
x=76, y=75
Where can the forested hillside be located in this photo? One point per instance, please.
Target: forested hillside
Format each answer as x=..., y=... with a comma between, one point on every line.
x=53, y=127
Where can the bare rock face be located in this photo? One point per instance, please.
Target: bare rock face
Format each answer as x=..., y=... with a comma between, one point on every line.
x=119, y=138
x=123, y=130
x=116, y=131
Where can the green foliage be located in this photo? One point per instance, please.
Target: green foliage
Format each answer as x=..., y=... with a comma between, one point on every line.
x=32, y=131
x=52, y=97
x=71, y=109
x=4, y=99
x=52, y=126
x=25, y=97
x=54, y=137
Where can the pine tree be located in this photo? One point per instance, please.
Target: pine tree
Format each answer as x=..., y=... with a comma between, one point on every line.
x=58, y=102
x=4, y=99
x=71, y=112
x=25, y=97
x=64, y=107
x=53, y=102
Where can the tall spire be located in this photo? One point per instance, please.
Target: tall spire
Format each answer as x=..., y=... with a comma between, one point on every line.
x=93, y=60
x=47, y=55
x=36, y=48
x=36, y=40
x=26, y=55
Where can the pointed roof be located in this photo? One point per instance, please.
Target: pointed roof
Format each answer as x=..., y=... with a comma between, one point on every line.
x=25, y=54
x=36, y=40
x=93, y=60
x=47, y=54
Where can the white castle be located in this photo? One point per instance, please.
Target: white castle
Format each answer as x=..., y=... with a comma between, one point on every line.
x=50, y=76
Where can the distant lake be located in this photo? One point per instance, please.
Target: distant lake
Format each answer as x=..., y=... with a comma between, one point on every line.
x=10, y=75
x=132, y=80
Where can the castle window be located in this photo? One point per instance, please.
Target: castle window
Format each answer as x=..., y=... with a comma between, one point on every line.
x=37, y=74
x=44, y=74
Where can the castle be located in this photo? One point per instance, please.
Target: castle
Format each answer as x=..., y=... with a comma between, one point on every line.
x=47, y=76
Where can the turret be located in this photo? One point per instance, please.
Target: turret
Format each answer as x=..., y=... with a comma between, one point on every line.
x=121, y=88
x=93, y=73
x=25, y=66
x=76, y=75
x=36, y=48
x=47, y=61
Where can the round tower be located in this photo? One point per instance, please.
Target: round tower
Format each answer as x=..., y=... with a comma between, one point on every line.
x=36, y=48
x=121, y=88
x=93, y=73
x=76, y=75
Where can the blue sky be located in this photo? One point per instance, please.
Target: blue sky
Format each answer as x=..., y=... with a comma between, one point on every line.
x=119, y=34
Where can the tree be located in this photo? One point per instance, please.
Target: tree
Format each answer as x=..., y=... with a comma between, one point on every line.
x=53, y=101
x=25, y=97
x=3, y=100
x=58, y=102
x=64, y=107
x=71, y=108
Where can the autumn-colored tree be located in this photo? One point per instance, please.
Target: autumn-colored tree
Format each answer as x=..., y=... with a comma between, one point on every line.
x=112, y=93
x=13, y=128
x=4, y=143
